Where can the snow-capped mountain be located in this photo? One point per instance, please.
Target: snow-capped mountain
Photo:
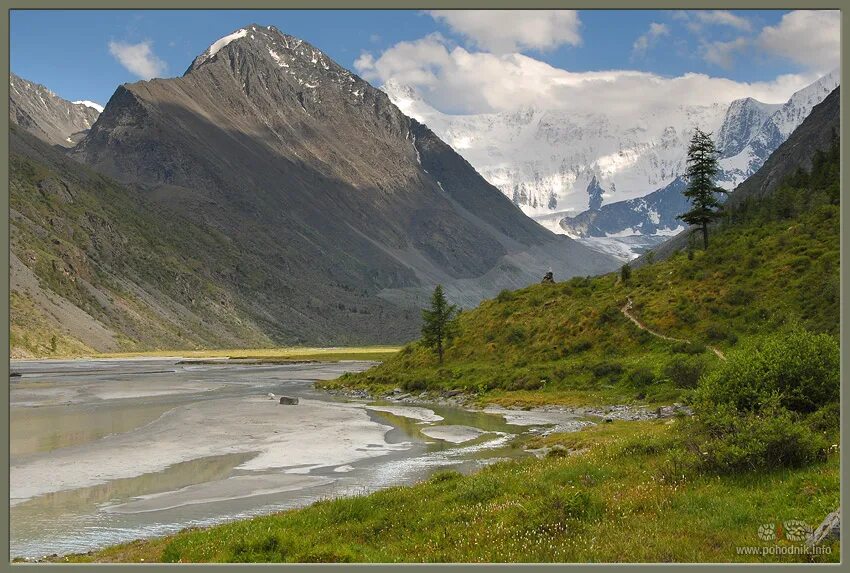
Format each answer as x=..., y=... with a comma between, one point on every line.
x=556, y=165
x=544, y=160
x=750, y=132
x=767, y=127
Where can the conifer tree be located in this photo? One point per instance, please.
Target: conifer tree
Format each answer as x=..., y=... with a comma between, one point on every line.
x=701, y=190
x=439, y=323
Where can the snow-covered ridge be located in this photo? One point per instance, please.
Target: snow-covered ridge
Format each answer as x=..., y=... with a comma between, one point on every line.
x=545, y=159
x=94, y=105
x=222, y=42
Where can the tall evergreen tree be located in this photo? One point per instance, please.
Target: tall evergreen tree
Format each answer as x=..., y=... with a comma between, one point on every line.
x=439, y=323
x=701, y=190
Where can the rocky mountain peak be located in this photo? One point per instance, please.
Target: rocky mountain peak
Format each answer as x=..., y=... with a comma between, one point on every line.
x=270, y=44
x=48, y=116
x=595, y=192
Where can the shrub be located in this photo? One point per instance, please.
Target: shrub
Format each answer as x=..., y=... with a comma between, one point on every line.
x=687, y=348
x=505, y=296
x=685, y=372
x=800, y=367
x=441, y=476
x=607, y=369
x=641, y=377
x=748, y=413
x=826, y=420
x=516, y=336
x=728, y=441
x=720, y=332
x=414, y=385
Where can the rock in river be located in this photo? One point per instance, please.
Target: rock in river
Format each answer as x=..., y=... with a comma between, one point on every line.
x=288, y=400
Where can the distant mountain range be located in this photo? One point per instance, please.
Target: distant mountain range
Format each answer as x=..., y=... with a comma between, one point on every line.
x=557, y=166
x=816, y=132
x=267, y=196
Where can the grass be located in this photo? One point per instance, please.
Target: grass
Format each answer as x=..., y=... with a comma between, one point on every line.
x=569, y=342
x=616, y=501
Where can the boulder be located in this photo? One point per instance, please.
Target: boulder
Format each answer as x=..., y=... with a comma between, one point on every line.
x=271, y=396
x=288, y=400
x=828, y=530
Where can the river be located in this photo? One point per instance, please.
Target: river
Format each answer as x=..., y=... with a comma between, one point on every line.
x=106, y=451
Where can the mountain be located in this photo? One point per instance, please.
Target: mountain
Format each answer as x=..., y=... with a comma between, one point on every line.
x=336, y=214
x=95, y=266
x=545, y=160
x=736, y=165
x=743, y=123
x=751, y=131
x=46, y=115
x=816, y=134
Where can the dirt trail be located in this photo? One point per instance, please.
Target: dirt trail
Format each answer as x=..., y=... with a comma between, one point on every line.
x=628, y=306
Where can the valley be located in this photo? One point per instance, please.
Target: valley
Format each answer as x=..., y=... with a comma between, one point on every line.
x=265, y=311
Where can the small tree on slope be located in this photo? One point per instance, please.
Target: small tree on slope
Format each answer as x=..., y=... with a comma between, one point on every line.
x=439, y=322
x=701, y=191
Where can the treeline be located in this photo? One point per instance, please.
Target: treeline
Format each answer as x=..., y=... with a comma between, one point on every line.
x=799, y=193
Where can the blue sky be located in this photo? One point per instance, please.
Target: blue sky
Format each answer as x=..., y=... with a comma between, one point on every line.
x=69, y=51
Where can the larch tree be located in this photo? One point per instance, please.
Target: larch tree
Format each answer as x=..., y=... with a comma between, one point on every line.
x=439, y=323
x=702, y=191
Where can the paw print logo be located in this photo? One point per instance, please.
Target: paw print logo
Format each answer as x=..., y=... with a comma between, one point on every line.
x=767, y=532
x=796, y=530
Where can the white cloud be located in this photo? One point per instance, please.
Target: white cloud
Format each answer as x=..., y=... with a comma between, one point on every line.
x=696, y=20
x=723, y=18
x=455, y=80
x=643, y=42
x=723, y=53
x=811, y=38
x=139, y=59
x=503, y=31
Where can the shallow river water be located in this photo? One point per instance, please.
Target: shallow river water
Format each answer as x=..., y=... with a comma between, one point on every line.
x=112, y=450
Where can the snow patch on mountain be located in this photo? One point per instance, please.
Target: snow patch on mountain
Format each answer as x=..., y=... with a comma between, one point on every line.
x=222, y=42
x=91, y=104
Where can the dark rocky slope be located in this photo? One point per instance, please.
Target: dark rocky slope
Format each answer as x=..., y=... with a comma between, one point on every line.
x=46, y=115
x=334, y=213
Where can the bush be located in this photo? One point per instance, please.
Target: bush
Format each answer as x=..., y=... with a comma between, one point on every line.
x=800, y=367
x=749, y=412
x=721, y=332
x=685, y=372
x=505, y=296
x=606, y=369
x=516, y=336
x=641, y=377
x=826, y=420
x=687, y=348
x=414, y=385
x=728, y=441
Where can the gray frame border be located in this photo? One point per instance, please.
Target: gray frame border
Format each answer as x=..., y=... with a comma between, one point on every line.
x=400, y=5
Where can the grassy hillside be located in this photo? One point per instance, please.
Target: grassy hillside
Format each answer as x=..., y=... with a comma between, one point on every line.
x=770, y=265
x=92, y=257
